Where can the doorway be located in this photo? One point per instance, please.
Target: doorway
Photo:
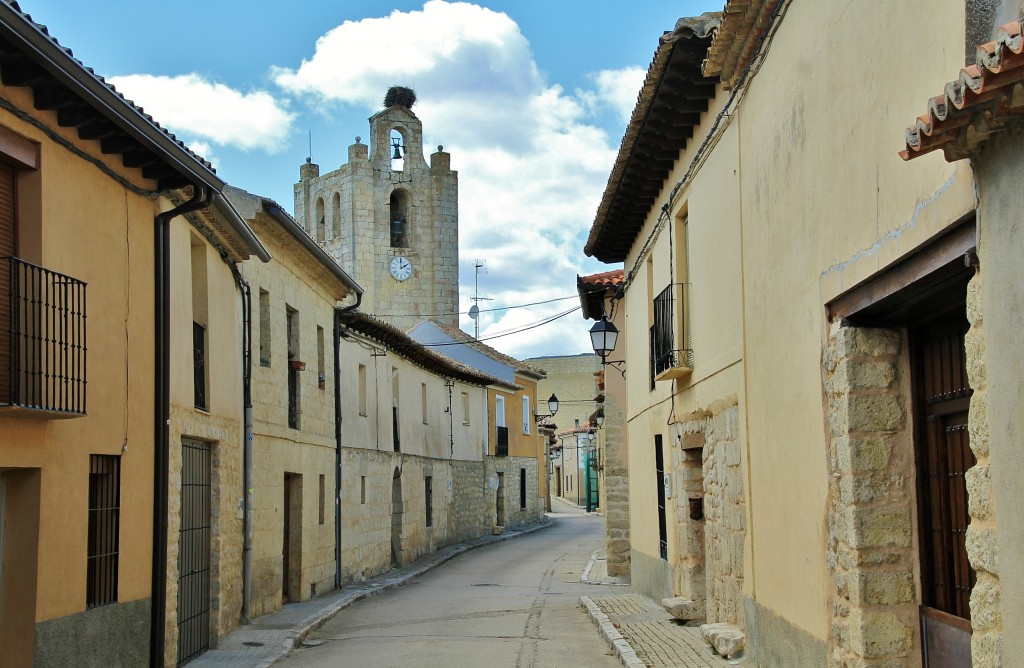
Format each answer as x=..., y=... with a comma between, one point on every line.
x=19, y=545
x=396, y=518
x=943, y=455
x=291, y=549
x=194, y=551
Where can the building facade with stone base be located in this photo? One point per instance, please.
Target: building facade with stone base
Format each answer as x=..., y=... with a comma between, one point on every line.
x=810, y=378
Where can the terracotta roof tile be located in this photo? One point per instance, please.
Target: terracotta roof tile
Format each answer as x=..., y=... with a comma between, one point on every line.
x=975, y=105
x=608, y=279
x=734, y=44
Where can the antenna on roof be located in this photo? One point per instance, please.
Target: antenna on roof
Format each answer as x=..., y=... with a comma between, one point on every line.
x=474, y=310
x=309, y=157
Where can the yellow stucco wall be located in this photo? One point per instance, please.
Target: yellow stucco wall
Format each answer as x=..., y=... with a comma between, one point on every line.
x=78, y=221
x=803, y=197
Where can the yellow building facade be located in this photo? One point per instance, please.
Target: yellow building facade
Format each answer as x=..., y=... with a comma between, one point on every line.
x=93, y=199
x=777, y=311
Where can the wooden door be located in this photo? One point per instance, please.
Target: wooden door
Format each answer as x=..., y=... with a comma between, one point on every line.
x=943, y=457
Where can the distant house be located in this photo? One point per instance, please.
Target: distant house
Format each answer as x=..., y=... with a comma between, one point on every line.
x=513, y=443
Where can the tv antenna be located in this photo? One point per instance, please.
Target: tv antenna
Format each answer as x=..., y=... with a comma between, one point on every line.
x=474, y=310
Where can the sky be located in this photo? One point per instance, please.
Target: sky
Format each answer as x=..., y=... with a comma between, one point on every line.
x=529, y=97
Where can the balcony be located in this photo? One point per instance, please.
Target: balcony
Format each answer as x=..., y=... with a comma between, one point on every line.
x=501, y=443
x=42, y=342
x=671, y=356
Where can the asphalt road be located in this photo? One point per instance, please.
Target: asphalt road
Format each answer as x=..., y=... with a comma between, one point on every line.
x=512, y=604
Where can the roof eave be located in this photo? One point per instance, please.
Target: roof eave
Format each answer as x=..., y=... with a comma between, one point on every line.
x=63, y=67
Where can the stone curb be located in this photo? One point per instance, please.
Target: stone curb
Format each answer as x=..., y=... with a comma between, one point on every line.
x=301, y=630
x=622, y=649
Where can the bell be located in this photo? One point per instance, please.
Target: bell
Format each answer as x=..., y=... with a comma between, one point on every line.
x=398, y=154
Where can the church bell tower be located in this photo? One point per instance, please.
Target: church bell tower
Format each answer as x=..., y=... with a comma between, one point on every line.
x=390, y=219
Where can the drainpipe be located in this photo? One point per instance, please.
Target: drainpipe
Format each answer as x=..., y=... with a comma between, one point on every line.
x=201, y=198
x=338, y=312
x=246, y=294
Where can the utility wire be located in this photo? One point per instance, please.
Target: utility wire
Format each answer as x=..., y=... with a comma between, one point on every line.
x=498, y=308
x=535, y=325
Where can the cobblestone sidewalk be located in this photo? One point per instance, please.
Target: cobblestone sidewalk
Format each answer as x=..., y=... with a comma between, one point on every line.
x=271, y=637
x=642, y=634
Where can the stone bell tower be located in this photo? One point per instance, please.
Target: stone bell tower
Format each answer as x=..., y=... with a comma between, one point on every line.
x=390, y=219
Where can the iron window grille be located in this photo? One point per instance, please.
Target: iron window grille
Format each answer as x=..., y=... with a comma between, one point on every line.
x=669, y=347
x=199, y=365
x=394, y=429
x=42, y=339
x=501, y=444
x=104, y=528
x=428, y=492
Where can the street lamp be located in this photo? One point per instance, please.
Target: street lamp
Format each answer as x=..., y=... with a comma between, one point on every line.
x=603, y=336
x=552, y=406
x=599, y=418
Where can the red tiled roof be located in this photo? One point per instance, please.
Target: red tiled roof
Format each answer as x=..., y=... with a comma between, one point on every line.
x=595, y=288
x=608, y=279
x=975, y=105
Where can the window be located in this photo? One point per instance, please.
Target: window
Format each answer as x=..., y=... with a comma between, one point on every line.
x=321, y=222
x=394, y=410
x=501, y=431
x=671, y=356
x=659, y=470
x=200, y=322
x=295, y=366
x=465, y=408
x=423, y=401
x=428, y=495
x=362, y=489
x=104, y=527
x=522, y=489
x=321, y=368
x=399, y=210
x=526, y=414
x=323, y=493
x=336, y=214
x=264, y=328
x=362, y=389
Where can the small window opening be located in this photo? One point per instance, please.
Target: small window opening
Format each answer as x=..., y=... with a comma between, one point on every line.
x=399, y=218
x=398, y=150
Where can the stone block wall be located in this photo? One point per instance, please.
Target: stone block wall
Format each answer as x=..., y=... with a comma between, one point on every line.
x=459, y=513
x=689, y=577
x=511, y=466
x=725, y=518
x=871, y=544
x=615, y=488
x=986, y=618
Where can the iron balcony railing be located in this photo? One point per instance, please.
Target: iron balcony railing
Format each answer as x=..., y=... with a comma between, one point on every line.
x=42, y=339
x=501, y=444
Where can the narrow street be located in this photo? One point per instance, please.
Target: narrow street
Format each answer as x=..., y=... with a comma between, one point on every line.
x=510, y=604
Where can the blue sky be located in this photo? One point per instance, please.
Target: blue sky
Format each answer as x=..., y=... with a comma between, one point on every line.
x=529, y=97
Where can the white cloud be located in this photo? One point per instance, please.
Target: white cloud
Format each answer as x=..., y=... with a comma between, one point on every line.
x=619, y=88
x=532, y=161
x=204, y=150
x=207, y=112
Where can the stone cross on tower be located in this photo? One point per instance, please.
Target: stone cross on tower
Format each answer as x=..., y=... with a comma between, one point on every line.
x=390, y=219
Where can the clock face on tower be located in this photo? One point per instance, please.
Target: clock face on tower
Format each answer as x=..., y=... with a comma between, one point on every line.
x=400, y=267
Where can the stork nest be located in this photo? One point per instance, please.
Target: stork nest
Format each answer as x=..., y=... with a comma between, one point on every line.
x=400, y=96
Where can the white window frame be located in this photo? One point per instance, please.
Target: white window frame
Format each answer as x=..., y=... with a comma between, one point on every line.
x=499, y=411
x=526, y=414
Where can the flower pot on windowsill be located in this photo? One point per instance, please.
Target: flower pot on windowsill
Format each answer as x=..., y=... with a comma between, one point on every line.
x=297, y=365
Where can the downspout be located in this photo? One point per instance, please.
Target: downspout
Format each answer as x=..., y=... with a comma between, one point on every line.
x=201, y=198
x=247, y=457
x=338, y=312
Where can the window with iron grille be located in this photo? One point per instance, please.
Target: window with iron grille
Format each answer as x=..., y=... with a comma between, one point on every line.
x=659, y=470
x=501, y=444
x=104, y=528
x=663, y=333
x=428, y=494
x=522, y=489
x=199, y=365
